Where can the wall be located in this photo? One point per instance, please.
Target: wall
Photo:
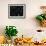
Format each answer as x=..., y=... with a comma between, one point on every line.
x=25, y=26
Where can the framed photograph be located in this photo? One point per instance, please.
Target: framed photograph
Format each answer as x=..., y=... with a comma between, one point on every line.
x=16, y=11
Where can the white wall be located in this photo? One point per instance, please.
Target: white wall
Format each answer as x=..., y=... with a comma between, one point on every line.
x=25, y=26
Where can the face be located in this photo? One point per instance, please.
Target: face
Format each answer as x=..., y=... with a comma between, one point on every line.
x=44, y=10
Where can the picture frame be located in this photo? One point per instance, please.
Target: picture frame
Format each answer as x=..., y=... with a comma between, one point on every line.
x=16, y=11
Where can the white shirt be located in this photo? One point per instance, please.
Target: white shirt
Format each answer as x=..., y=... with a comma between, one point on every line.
x=38, y=36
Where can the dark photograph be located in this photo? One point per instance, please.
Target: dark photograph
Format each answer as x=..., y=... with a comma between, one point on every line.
x=16, y=10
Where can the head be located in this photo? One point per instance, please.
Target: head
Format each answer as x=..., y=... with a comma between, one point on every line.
x=43, y=8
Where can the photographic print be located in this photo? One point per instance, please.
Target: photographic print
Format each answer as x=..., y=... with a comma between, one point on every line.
x=16, y=11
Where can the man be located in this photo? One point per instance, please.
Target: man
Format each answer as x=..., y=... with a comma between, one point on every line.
x=42, y=17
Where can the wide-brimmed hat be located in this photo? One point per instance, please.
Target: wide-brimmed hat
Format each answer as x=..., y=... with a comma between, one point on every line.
x=42, y=7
